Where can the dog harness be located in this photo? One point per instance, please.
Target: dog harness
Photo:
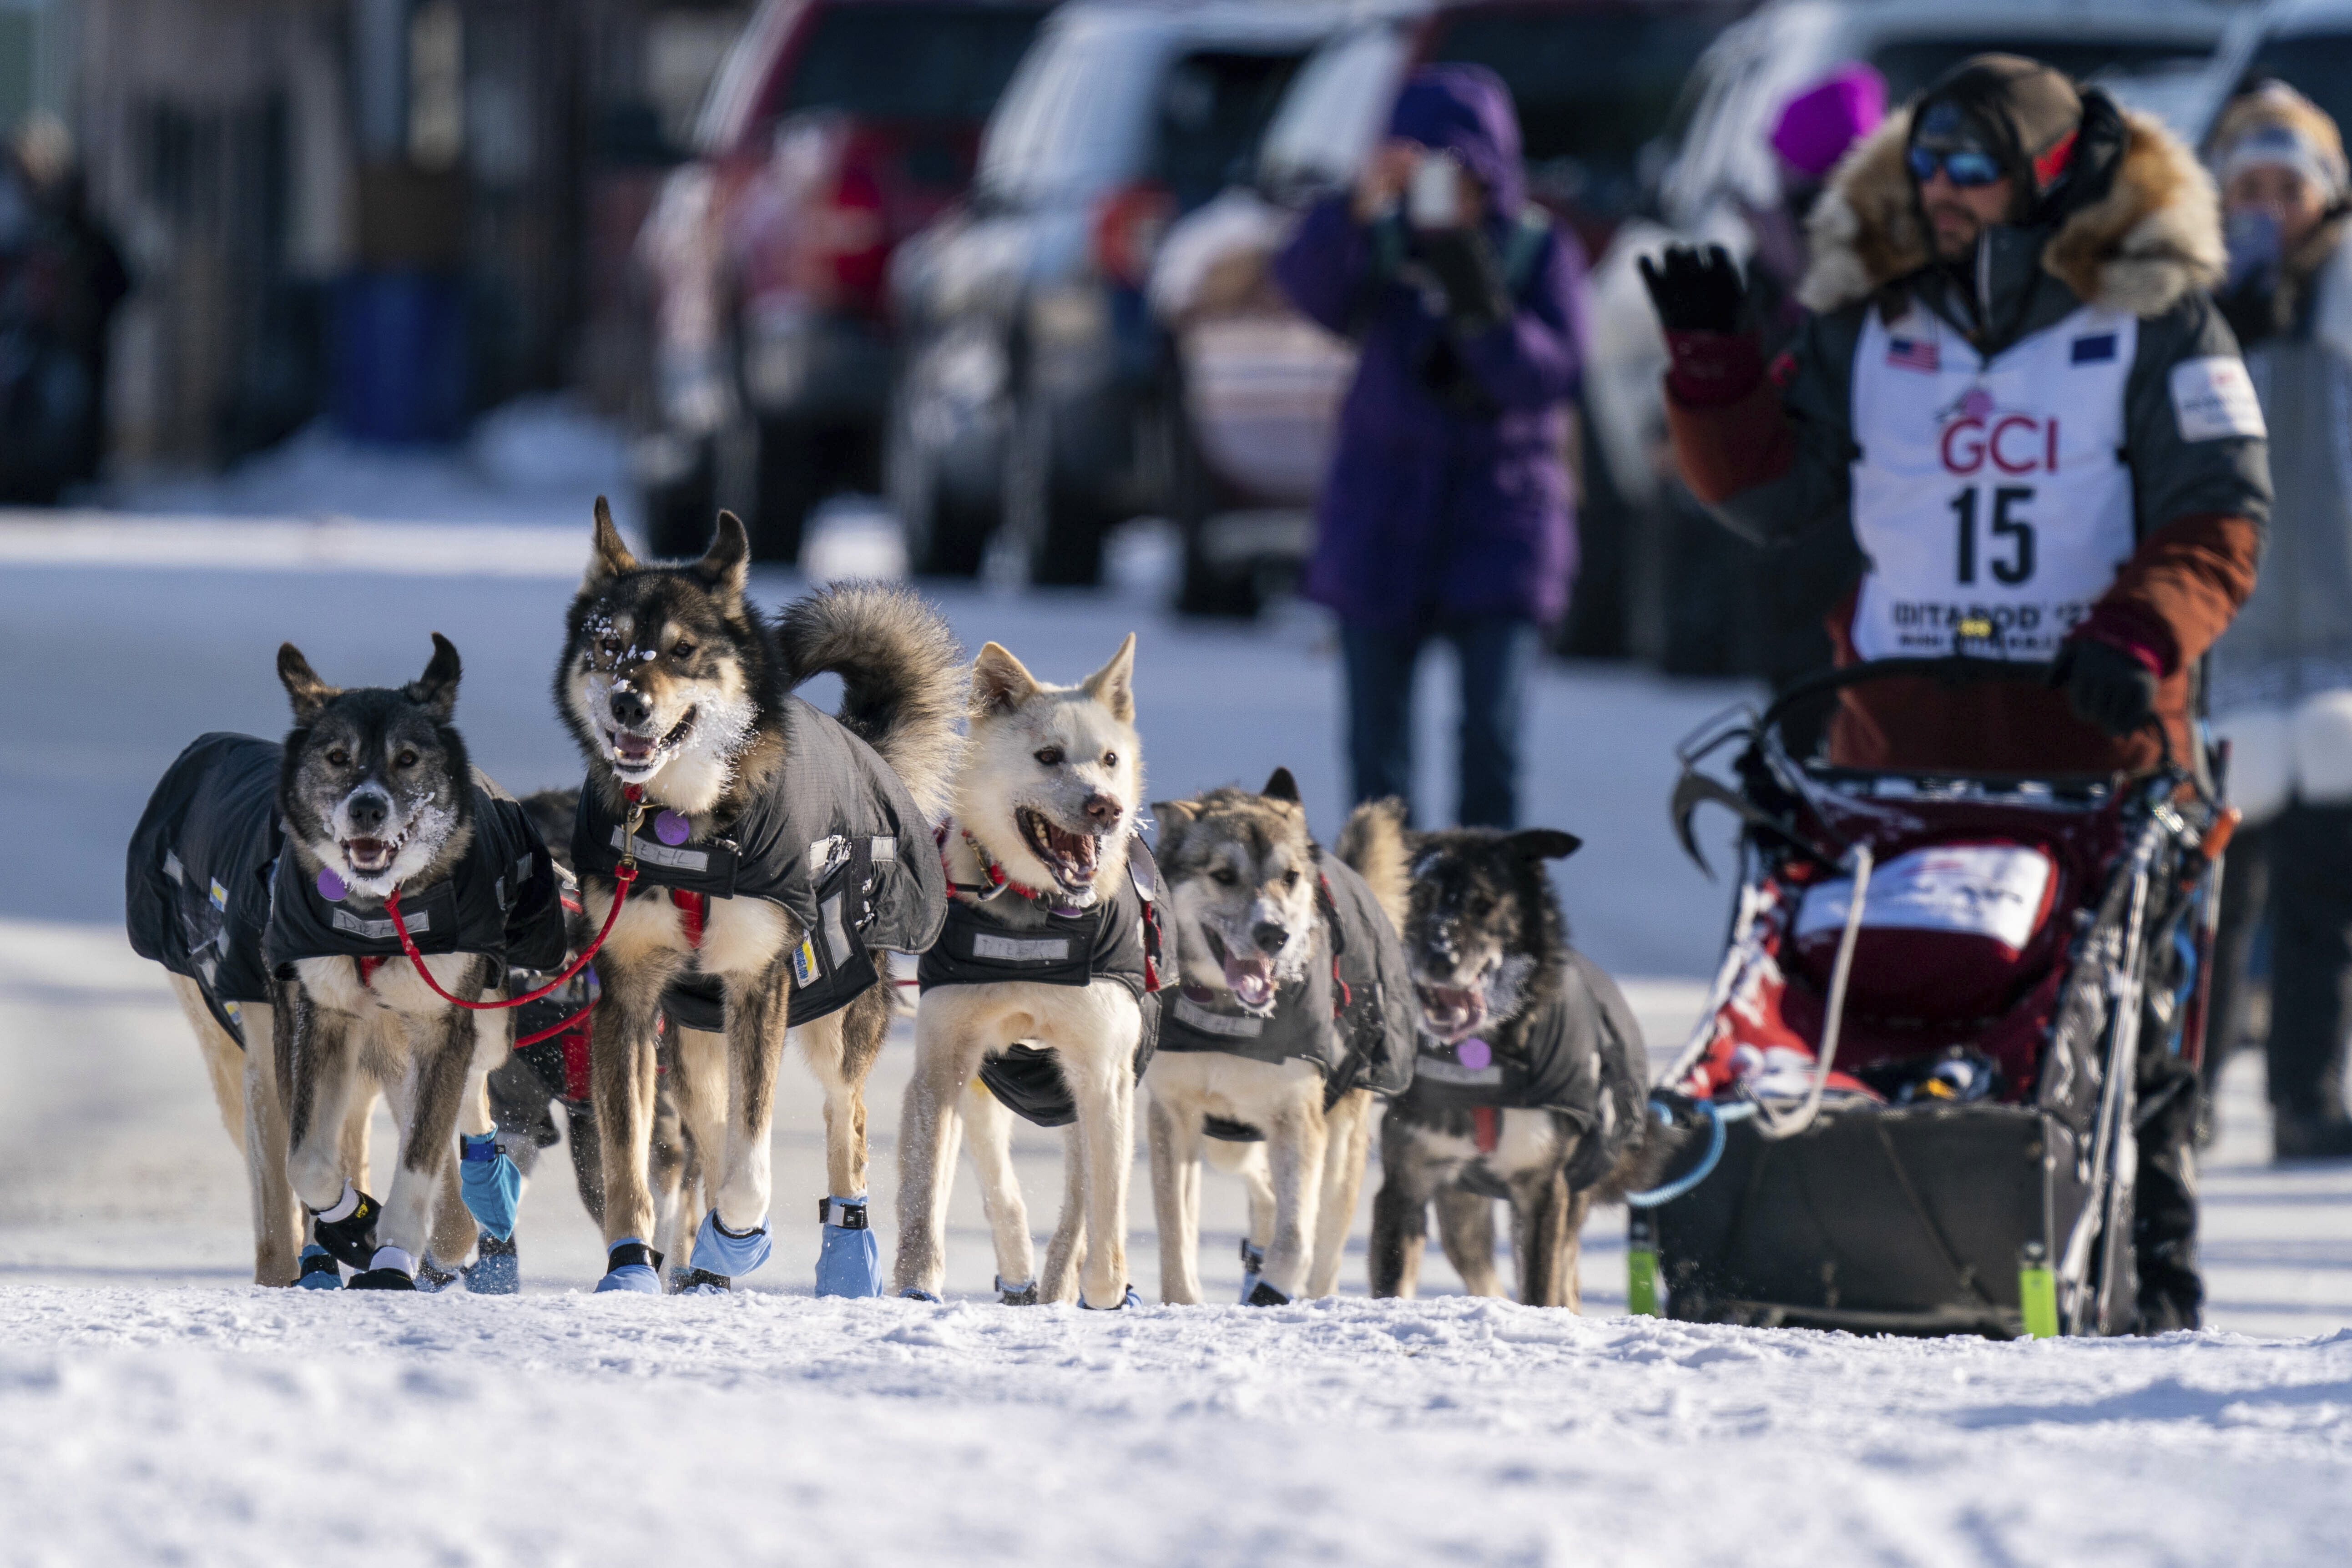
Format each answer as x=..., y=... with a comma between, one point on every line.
x=1578, y=1055
x=1115, y=939
x=211, y=893
x=1350, y=1014
x=837, y=842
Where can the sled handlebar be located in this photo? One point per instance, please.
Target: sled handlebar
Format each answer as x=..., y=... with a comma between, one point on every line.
x=1950, y=669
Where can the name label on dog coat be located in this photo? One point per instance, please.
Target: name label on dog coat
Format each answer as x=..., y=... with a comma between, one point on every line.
x=661, y=854
x=1993, y=890
x=1234, y=1025
x=1445, y=1069
x=380, y=931
x=1019, y=949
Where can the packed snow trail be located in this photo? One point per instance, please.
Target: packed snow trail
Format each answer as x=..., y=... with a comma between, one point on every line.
x=209, y=1426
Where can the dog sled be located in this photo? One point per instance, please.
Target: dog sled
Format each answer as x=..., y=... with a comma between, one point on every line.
x=1915, y=1094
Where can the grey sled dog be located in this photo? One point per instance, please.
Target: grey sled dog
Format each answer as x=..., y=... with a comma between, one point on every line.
x=1042, y=984
x=258, y=875
x=1296, y=1010
x=778, y=850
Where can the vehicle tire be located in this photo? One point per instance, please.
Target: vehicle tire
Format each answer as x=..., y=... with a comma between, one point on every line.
x=787, y=484
x=1209, y=589
x=1060, y=535
x=679, y=511
x=942, y=540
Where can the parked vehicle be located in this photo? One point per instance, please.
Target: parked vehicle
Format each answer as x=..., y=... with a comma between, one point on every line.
x=1030, y=381
x=1250, y=430
x=835, y=129
x=1661, y=580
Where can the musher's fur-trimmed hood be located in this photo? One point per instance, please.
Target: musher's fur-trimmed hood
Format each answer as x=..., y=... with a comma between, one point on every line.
x=2150, y=239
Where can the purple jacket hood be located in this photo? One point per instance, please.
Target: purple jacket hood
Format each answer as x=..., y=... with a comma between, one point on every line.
x=1467, y=110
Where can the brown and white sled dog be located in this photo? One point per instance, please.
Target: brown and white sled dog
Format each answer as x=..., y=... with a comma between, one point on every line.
x=1242, y=873
x=678, y=694
x=1044, y=810
x=1531, y=1083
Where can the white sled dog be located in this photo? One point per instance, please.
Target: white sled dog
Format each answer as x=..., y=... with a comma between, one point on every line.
x=778, y=851
x=1268, y=1059
x=1038, y=998
x=259, y=876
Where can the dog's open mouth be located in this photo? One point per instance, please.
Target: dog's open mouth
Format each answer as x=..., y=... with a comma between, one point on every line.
x=1451, y=1013
x=636, y=753
x=371, y=857
x=1071, y=856
x=1249, y=976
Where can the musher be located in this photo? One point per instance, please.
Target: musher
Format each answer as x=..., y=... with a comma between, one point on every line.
x=2019, y=395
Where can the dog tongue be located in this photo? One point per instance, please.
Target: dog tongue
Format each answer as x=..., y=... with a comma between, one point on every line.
x=633, y=748
x=1251, y=980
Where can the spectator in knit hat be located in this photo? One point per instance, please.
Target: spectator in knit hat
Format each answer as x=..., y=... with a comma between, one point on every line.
x=2281, y=675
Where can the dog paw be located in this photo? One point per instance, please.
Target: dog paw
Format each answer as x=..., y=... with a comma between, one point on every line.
x=390, y=1269
x=1253, y=1266
x=701, y=1282
x=1016, y=1296
x=431, y=1278
x=1131, y=1300
x=631, y=1265
x=346, y=1228
x=916, y=1293
x=495, y=1271
x=1265, y=1295
x=732, y=1253
x=320, y=1272
x=848, y=1261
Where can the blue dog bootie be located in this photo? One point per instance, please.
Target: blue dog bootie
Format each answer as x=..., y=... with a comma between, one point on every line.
x=319, y=1270
x=496, y=1270
x=490, y=1182
x=848, y=1261
x=1253, y=1268
x=1131, y=1300
x=729, y=1254
x=631, y=1265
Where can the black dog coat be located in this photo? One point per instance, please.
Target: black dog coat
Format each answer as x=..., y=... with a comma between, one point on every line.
x=1580, y=1056
x=210, y=894
x=1372, y=1046
x=837, y=842
x=1114, y=940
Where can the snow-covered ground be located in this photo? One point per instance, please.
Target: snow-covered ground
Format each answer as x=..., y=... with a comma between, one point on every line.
x=155, y=1408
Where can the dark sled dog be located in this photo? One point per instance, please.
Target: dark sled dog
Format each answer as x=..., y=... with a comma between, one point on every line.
x=1269, y=1056
x=780, y=851
x=1531, y=1085
x=259, y=876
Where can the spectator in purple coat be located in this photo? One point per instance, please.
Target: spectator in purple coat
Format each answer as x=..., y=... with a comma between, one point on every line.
x=1446, y=511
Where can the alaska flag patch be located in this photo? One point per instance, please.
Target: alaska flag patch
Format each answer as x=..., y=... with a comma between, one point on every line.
x=2094, y=351
x=1913, y=353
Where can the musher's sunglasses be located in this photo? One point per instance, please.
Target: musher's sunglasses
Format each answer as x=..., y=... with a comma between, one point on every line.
x=1965, y=167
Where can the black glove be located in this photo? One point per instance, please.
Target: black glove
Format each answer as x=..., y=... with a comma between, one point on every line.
x=1696, y=293
x=1466, y=267
x=2105, y=686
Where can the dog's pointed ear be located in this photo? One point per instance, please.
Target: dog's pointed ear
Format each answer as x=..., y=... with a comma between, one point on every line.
x=1544, y=844
x=608, y=556
x=435, y=690
x=999, y=682
x=1113, y=685
x=726, y=564
x=1280, y=785
x=310, y=694
x=1173, y=817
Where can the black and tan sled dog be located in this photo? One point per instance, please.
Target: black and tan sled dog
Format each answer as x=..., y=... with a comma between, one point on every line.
x=259, y=877
x=777, y=854
x=1531, y=1082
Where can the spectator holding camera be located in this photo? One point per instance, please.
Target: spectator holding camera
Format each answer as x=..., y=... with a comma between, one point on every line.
x=2281, y=675
x=1446, y=511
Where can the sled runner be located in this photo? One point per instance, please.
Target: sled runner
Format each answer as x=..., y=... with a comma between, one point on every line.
x=1950, y=1007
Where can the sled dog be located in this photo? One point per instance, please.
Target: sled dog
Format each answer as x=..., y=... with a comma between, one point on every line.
x=1295, y=1010
x=1038, y=998
x=779, y=853
x=1531, y=1081
x=259, y=876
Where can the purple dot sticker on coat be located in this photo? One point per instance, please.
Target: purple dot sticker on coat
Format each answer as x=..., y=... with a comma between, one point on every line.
x=1474, y=1054
x=671, y=829
x=330, y=886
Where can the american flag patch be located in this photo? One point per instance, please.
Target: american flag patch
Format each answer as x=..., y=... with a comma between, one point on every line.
x=1913, y=353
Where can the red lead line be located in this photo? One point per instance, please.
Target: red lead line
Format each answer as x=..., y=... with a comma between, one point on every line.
x=624, y=875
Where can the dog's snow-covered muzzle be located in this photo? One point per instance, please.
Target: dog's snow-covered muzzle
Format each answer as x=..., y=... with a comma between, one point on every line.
x=637, y=757
x=404, y=842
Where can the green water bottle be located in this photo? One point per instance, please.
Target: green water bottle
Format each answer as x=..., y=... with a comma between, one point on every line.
x=1641, y=1266
x=2037, y=1291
